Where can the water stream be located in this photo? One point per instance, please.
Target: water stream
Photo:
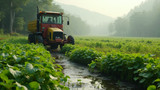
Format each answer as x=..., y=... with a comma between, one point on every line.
x=82, y=79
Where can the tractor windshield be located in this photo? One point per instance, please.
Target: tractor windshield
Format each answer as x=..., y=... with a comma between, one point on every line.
x=51, y=19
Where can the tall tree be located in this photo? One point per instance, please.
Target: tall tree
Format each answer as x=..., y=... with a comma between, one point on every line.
x=15, y=6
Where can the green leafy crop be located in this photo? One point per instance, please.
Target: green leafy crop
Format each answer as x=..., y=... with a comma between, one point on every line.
x=28, y=66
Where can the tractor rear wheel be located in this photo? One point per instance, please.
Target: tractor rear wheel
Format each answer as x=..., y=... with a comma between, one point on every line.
x=31, y=38
x=70, y=40
x=39, y=39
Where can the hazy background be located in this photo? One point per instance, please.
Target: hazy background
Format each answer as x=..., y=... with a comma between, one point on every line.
x=124, y=18
x=112, y=8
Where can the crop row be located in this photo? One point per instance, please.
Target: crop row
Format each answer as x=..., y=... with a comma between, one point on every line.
x=28, y=66
x=137, y=68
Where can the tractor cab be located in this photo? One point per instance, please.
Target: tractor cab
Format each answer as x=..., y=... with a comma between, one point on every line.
x=51, y=17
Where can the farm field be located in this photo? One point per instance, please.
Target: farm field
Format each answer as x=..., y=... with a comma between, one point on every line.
x=131, y=59
x=28, y=66
x=120, y=44
x=122, y=58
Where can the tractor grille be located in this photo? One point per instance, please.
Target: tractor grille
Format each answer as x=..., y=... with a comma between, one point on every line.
x=57, y=35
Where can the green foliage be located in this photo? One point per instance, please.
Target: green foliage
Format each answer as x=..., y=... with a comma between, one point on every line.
x=67, y=48
x=125, y=45
x=84, y=55
x=28, y=66
x=152, y=87
x=133, y=68
x=19, y=24
x=80, y=55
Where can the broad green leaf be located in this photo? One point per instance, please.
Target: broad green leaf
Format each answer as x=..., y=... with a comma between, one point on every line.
x=18, y=59
x=3, y=77
x=8, y=86
x=148, y=66
x=146, y=75
x=40, y=79
x=136, y=78
x=93, y=65
x=9, y=65
x=157, y=80
x=130, y=68
x=53, y=78
x=20, y=87
x=3, y=55
x=15, y=73
x=142, y=80
x=34, y=85
x=36, y=58
x=29, y=68
x=151, y=87
x=15, y=57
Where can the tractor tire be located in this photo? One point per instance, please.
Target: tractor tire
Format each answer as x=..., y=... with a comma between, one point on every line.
x=39, y=39
x=31, y=38
x=70, y=40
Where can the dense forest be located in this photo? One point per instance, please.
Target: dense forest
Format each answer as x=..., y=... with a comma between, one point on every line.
x=142, y=21
x=15, y=15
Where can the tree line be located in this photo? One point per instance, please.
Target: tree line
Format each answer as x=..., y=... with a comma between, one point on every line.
x=142, y=21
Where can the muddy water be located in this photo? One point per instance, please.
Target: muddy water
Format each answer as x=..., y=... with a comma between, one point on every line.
x=82, y=79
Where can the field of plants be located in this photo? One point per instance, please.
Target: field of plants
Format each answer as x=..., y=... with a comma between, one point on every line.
x=123, y=45
x=28, y=66
x=134, y=60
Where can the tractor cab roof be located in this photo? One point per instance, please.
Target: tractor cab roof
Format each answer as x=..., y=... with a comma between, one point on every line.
x=50, y=12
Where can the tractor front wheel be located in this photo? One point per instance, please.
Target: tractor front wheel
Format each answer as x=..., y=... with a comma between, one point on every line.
x=39, y=39
x=70, y=40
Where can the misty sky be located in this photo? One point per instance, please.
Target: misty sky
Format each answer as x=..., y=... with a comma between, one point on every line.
x=113, y=8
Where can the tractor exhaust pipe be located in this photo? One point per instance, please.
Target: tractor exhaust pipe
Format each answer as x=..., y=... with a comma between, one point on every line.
x=38, y=19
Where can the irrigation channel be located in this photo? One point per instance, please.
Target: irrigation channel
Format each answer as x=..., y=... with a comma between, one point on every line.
x=82, y=79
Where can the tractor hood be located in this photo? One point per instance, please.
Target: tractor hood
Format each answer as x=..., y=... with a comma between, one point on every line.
x=55, y=35
x=54, y=30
